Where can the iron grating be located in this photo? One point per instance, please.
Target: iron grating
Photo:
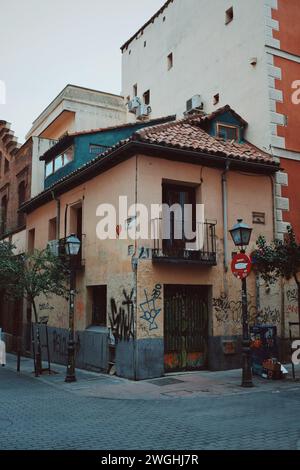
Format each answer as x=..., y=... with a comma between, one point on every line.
x=165, y=381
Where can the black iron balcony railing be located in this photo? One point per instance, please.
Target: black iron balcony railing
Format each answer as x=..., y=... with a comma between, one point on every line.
x=202, y=250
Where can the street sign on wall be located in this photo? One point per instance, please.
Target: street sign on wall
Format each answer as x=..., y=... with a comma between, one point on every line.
x=241, y=265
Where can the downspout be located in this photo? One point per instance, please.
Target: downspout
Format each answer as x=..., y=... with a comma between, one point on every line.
x=57, y=214
x=225, y=217
x=66, y=215
x=273, y=205
x=135, y=261
x=282, y=283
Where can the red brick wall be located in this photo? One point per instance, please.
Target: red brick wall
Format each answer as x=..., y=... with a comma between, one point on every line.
x=292, y=168
x=19, y=170
x=288, y=15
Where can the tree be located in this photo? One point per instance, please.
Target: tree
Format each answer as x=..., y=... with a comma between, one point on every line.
x=279, y=259
x=30, y=276
x=6, y=258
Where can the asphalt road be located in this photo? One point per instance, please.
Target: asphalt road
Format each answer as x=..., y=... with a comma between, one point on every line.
x=36, y=415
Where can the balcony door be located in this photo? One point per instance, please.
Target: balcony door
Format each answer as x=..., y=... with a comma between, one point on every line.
x=181, y=196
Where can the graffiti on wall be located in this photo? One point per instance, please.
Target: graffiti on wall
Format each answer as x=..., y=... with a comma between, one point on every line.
x=60, y=343
x=292, y=295
x=45, y=306
x=268, y=315
x=149, y=308
x=292, y=301
x=122, y=318
x=230, y=312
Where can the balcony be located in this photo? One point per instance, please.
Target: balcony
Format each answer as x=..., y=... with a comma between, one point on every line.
x=202, y=251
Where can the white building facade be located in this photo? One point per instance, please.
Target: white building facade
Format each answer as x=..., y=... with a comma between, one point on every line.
x=221, y=52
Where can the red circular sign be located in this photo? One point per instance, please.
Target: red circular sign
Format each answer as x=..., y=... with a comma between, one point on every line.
x=241, y=265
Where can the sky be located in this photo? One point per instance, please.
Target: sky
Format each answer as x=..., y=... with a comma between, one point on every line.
x=46, y=44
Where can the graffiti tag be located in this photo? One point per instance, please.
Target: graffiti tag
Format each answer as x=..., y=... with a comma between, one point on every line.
x=122, y=318
x=149, y=308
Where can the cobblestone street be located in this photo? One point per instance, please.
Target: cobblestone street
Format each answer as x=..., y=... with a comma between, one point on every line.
x=36, y=414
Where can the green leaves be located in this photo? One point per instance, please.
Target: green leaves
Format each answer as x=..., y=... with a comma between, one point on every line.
x=32, y=274
x=277, y=259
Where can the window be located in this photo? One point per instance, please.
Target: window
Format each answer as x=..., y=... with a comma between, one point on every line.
x=3, y=215
x=145, y=43
x=146, y=97
x=6, y=166
x=52, y=230
x=180, y=197
x=216, y=99
x=170, y=61
x=99, y=300
x=58, y=162
x=135, y=90
x=21, y=195
x=68, y=155
x=96, y=149
x=49, y=168
x=229, y=15
x=227, y=132
x=31, y=240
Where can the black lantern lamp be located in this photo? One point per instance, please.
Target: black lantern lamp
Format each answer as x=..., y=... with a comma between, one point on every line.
x=241, y=234
x=72, y=245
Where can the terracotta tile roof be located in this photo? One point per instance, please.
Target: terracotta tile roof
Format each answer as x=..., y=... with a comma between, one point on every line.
x=187, y=134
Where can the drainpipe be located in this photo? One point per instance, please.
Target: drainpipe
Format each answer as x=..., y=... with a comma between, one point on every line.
x=135, y=273
x=66, y=215
x=272, y=179
x=225, y=214
x=57, y=214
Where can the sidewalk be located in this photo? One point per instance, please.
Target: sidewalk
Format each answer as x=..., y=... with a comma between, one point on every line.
x=177, y=385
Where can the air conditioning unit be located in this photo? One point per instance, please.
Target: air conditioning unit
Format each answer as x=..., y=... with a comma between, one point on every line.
x=53, y=246
x=194, y=104
x=143, y=111
x=134, y=104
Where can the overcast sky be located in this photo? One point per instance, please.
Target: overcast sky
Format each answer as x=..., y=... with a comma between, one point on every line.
x=45, y=44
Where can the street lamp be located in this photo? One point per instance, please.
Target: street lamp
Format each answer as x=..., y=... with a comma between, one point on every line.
x=241, y=234
x=72, y=248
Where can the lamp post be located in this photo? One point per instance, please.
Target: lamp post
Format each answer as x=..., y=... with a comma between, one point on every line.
x=72, y=247
x=241, y=234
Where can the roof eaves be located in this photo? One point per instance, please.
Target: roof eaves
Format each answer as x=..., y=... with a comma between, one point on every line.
x=151, y=20
x=109, y=158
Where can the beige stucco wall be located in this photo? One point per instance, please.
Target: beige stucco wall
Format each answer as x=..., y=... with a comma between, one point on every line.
x=246, y=194
x=109, y=262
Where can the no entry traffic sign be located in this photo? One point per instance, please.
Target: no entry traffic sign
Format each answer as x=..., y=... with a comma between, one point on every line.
x=241, y=265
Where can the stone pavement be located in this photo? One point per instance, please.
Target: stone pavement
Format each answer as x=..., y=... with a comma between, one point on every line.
x=177, y=385
x=46, y=413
